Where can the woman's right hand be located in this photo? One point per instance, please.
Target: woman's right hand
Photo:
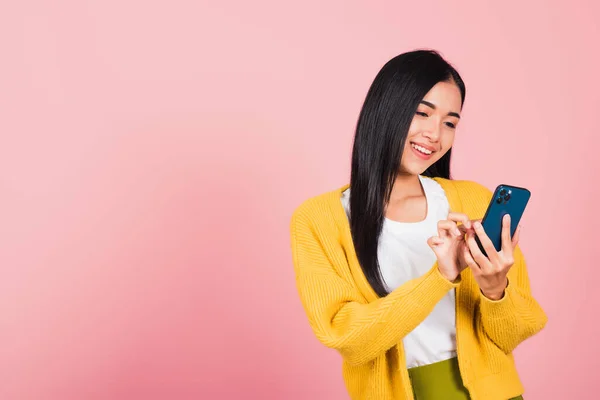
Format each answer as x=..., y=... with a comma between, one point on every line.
x=448, y=245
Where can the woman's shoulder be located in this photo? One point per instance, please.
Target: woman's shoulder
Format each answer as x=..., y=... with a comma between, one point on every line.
x=320, y=208
x=464, y=187
x=471, y=195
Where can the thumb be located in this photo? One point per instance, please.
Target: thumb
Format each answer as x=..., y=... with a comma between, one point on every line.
x=434, y=242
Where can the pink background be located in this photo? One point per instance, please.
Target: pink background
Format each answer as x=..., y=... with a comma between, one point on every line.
x=152, y=153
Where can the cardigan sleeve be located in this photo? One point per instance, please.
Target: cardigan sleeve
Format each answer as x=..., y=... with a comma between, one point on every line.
x=516, y=316
x=339, y=315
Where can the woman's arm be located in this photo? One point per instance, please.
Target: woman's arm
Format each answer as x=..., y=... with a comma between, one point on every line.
x=517, y=315
x=340, y=316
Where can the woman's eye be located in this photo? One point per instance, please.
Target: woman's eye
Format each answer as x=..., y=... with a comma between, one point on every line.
x=451, y=125
x=422, y=114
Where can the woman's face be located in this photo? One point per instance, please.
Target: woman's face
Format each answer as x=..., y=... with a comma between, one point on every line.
x=431, y=132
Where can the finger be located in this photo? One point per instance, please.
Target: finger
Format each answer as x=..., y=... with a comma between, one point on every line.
x=471, y=263
x=435, y=241
x=473, y=222
x=486, y=242
x=482, y=261
x=463, y=232
x=506, y=240
x=470, y=225
x=460, y=217
x=463, y=229
x=448, y=228
x=516, y=237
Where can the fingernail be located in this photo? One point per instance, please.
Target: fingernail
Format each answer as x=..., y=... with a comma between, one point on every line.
x=478, y=224
x=457, y=232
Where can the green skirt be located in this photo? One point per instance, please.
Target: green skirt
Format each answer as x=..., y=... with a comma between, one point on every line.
x=440, y=380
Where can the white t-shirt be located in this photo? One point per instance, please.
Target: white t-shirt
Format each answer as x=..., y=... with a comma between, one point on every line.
x=403, y=255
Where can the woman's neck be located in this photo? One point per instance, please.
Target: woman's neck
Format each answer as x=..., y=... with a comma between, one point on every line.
x=406, y=185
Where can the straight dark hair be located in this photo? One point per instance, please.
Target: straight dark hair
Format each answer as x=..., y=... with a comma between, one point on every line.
x=379, y=140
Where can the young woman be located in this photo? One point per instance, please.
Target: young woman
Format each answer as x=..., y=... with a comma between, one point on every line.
x=387, y=267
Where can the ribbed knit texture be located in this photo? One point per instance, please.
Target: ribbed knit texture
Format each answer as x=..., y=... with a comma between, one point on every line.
x=347, y=315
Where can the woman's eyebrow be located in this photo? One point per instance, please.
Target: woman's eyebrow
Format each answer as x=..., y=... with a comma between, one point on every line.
x=431, y=105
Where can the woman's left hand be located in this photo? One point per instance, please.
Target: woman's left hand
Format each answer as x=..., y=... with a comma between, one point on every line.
x=491, y=272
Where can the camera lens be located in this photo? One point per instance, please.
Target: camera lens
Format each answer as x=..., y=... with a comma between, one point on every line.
x=502, y=192
x=499, y=200
x=507, y=197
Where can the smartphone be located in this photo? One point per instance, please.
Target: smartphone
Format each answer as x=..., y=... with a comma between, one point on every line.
x=507, y=199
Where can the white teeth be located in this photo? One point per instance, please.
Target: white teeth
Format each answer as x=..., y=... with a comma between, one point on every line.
x=421, y=149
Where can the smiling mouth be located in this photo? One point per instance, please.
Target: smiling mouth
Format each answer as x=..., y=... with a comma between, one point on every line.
x=421, y=149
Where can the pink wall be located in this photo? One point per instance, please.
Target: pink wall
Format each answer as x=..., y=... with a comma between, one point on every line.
x=152, y=153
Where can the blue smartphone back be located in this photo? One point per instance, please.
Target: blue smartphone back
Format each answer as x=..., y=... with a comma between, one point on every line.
x=507, y=199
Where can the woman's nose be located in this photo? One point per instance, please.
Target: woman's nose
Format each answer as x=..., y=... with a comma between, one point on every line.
x=432, y=132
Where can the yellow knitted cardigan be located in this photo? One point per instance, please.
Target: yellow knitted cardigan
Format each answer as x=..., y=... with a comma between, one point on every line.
x=347, y=315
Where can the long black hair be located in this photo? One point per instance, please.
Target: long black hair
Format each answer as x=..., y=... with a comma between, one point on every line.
x=381, y=132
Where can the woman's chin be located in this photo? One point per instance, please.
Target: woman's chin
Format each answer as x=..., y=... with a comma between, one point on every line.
x=413, y=169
